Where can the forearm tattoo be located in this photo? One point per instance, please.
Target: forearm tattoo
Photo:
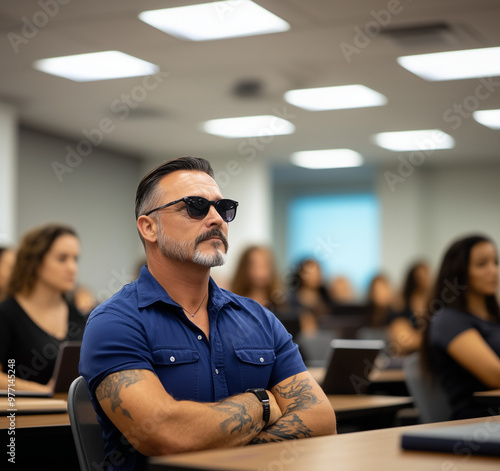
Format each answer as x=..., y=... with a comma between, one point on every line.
x=112, y=385
x=290, y=426
x=239, y=419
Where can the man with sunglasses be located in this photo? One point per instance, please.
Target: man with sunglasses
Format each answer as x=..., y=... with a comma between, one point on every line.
x=173, y=362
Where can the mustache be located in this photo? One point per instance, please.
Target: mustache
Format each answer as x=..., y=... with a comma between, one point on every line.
x=215, y=232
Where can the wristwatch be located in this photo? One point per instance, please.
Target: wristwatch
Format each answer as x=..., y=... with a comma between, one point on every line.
x=264, y=399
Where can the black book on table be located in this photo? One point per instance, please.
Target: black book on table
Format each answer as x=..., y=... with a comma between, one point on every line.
x=481, y=438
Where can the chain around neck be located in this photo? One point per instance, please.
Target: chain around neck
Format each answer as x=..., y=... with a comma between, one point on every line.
x=192, y=314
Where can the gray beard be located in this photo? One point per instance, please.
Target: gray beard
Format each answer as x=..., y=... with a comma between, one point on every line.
x=179, y=251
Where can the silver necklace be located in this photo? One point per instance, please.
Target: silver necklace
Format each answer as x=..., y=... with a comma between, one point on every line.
x=192, y=314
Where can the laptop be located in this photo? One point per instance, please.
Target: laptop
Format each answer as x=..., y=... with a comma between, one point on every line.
x=65, y=371
x=480, y=438
x=349, y=365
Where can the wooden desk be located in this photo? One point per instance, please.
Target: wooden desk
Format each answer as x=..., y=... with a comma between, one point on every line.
x=32, y=405
x=491, y=397
x=354, y=406
x=377, y=450
x=356, y=412
x=43, y=433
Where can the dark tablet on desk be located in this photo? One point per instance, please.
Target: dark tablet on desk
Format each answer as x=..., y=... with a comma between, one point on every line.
x=482, y=438
x=65, y=371
x=349, y=365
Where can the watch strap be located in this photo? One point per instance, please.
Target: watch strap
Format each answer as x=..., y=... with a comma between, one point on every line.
x=264, y=399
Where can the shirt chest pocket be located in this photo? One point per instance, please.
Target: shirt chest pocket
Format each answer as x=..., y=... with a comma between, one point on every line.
x=178, y=371
x=256, y=365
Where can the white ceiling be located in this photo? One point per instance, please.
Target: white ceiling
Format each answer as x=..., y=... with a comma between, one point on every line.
x=199, y=77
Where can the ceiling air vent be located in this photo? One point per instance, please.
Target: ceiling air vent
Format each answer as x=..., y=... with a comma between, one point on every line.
x=428, y=34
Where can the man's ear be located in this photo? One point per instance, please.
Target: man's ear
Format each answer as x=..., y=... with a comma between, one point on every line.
x=147, y=228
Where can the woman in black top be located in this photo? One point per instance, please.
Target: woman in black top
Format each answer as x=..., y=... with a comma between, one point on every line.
x=461, y=342
x=36, y=318
x=308, y=299
x=405, y=331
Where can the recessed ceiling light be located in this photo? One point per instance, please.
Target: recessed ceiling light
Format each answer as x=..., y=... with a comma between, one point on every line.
x=490, y=118
x=426, y=139
x=454, y=65
x=215, y=20
x=335, y=98
x=249, y=126
x=328, y=158
x=96, y=66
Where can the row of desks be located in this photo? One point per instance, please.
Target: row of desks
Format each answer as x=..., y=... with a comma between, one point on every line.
x=43, y=434
x=375, y=450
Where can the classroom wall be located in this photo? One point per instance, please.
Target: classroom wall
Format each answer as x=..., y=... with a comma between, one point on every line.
x=432, y=208
x=418, y=219
x=8, y=173
x=96, y=197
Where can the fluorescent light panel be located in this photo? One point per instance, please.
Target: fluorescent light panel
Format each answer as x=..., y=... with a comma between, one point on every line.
x=489, y=118
x=95, y=66
x=335, y=98
x=328, y=158
x=249, y=126
x=215, y=20
x=426, y=139
x=454, y=65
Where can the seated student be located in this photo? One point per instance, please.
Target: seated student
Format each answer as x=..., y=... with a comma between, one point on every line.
x=256, y=278
x=341, y=291
x=308, y=297
x=7, y=259
x=461, y=345
x=173, y=362
x=380, y=301
x=36, y=318
x=405, y=329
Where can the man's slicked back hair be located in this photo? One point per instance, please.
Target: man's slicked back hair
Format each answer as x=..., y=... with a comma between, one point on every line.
x=146, y=196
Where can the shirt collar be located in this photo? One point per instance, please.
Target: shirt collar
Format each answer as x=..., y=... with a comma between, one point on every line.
x=150, y=291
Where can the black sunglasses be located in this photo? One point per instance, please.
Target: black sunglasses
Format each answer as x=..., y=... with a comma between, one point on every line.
x=198, y=207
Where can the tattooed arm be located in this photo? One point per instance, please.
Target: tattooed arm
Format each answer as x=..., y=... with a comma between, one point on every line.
x=307, y=412
x=155, y=423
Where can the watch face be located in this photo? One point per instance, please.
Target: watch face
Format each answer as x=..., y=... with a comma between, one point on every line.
x=261, y=394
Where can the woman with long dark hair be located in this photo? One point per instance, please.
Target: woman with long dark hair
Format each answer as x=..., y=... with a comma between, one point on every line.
x=404, y=326
x=36, y=318
x=461, y=340
x=309, y=298
x=256, y=277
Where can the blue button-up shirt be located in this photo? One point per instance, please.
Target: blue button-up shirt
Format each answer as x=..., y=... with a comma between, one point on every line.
x=141, y=327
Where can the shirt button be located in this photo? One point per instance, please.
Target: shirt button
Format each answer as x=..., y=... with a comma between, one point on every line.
x=172, y=359
x=199, y=337
x=216, y=371
x=261, y=360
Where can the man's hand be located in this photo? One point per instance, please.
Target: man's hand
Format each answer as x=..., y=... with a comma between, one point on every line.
x=307, y=412
x=276, y=412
